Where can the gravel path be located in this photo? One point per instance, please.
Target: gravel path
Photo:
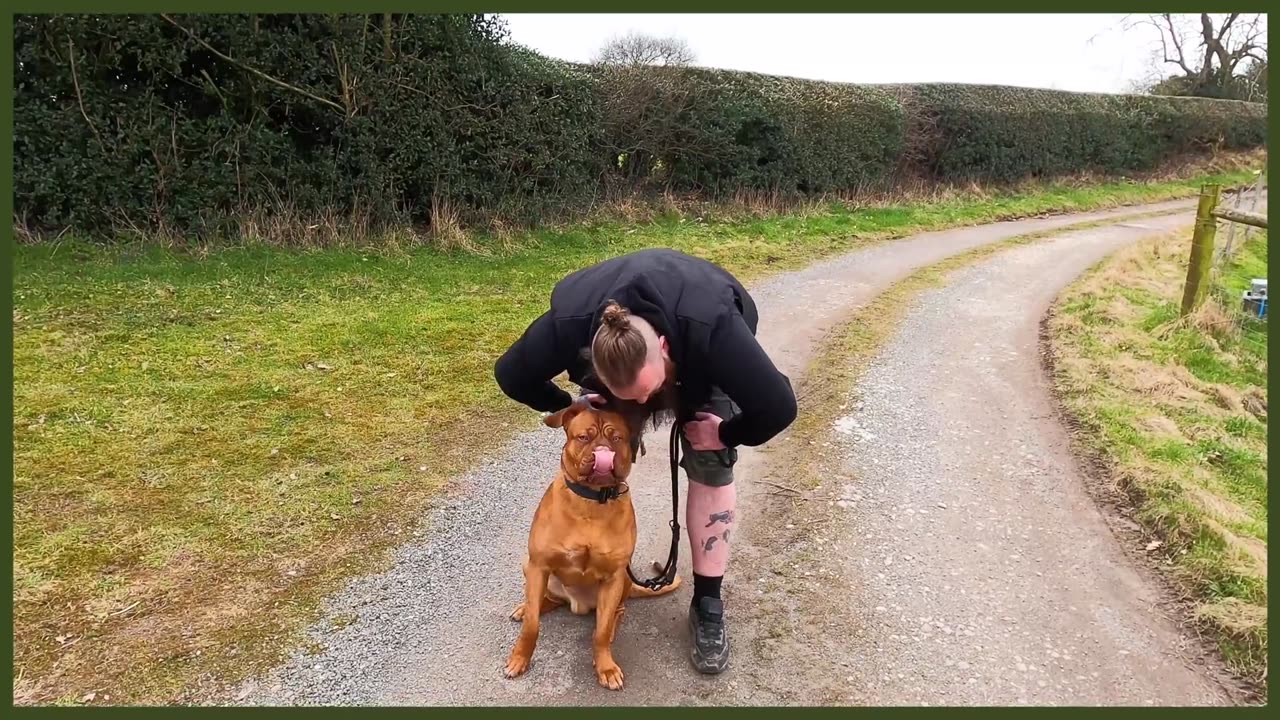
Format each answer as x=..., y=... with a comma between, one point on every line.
x=990, y=574
x=433, y=629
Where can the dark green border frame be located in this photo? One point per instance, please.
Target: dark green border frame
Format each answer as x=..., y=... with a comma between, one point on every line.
x=647, y=6
x=526, y=6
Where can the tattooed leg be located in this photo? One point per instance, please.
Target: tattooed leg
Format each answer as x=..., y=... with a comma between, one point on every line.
x=709, y=517
x=725, y=517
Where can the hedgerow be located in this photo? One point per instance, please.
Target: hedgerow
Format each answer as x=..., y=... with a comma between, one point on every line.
x=188, y=123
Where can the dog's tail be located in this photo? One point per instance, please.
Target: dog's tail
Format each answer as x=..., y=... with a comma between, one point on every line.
x=640, y=591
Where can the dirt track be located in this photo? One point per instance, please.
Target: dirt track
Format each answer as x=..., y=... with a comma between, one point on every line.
x=1014, y=591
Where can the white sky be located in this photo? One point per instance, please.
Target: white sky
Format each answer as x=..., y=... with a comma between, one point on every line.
x=1050, y=51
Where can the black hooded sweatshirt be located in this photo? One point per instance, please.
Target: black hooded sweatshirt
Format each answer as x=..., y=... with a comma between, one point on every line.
x=706, y=315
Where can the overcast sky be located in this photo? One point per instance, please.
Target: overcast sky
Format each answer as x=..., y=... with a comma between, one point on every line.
x=1049, y=51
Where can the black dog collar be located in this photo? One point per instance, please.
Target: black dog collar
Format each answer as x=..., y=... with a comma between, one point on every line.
x=600, y=495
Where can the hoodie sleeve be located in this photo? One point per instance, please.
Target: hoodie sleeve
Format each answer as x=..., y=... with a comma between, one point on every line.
x=740, y=367
x=526, y=369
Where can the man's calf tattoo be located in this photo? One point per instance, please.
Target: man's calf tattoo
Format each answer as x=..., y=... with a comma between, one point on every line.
x=725, y=517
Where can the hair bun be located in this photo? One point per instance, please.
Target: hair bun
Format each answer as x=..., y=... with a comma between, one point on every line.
x=616, y=317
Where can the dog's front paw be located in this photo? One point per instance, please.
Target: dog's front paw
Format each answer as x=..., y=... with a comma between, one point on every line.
x=518, y=614
x=516, y=665
x=609, y=675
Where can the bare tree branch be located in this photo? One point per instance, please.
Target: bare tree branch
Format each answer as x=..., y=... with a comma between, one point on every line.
x=1177, y=44
x=1224, y=41
x=345, y=80
x=1226, y=26
x=255, y=71
x=71, y=52
x=1211, y=47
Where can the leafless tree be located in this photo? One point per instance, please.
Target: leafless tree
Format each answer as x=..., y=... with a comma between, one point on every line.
x=640, y=49
x=1213, y=51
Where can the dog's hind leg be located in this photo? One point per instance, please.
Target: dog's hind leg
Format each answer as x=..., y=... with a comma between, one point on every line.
x=549, y=603
x=553, y=598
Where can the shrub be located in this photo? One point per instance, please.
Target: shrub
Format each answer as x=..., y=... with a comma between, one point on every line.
x=1005, y=134
x=189, y=123
x=718, y=131
x=127, y=120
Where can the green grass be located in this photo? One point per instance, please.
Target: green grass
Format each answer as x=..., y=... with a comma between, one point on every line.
x=1177, y=408
x=207, y=442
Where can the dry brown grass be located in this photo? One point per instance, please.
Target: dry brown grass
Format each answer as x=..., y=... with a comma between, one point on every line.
x=1161, y=427
x=1255, y=401
x=1168, y=402
x=1235, y=619
x=446, y=230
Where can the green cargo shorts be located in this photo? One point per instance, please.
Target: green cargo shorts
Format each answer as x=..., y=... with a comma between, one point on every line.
x=711, y=467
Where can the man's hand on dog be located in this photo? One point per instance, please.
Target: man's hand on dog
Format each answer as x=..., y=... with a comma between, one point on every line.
x=704, y=433
x=592, y=399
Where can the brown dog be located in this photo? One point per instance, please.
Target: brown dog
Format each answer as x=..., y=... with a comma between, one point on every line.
x=582, y=538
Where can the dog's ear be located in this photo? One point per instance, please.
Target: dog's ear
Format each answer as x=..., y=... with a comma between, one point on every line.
x=562, y=417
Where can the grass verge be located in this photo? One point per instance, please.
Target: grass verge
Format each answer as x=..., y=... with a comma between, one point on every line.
x=1175, y=410
x=207, y=443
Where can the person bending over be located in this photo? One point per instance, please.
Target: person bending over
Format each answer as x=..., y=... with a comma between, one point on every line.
x=674, y=336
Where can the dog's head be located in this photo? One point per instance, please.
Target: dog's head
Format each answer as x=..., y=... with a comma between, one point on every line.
x=597, y=448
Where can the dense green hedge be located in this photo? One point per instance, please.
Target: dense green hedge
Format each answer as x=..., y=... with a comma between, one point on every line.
x=1003, y=133
x=380, y=115
x=191, y=122
x=725, y=131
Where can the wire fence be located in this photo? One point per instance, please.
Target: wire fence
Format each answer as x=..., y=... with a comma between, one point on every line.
x=1212, y=254
x=1249, y=198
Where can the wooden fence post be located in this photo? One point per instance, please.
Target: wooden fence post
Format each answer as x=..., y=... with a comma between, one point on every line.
x=1201, y=249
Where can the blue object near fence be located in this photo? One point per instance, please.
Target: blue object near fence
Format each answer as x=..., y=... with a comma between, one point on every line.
x=1255, y=298
x=1255, y=305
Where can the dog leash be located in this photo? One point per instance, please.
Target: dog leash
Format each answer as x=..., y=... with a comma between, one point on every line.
x=668, y=574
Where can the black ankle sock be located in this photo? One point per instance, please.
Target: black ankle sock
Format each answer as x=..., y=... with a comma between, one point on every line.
x=704, y=586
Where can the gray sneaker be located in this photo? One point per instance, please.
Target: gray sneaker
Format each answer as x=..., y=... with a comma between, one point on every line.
x=710, y=639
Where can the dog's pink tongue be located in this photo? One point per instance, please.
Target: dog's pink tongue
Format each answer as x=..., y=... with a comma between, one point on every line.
x=604, y=461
